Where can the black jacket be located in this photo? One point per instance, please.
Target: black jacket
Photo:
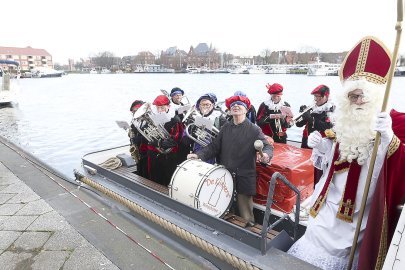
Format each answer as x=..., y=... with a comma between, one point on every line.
x=234, y=146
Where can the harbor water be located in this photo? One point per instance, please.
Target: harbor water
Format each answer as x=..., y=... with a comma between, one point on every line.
x=60, y=119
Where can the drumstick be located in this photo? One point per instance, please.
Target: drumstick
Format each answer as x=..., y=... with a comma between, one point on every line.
x=259, y=147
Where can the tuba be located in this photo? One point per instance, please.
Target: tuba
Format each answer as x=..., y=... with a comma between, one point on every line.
x=151, y=131
x=199, y=129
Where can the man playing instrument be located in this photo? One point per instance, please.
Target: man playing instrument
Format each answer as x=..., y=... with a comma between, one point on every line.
x=234, y=146
x=138, y=144
x=205, y=108
x=346, y=160
x=316, y=119
x=274, y=115
x=162, y=153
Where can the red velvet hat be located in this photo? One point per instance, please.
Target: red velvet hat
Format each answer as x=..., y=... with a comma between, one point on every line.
x=274, y=88
x=136, y=104
x=322, y=90
x=161, y=100
x=237, y=100
x=369, y=59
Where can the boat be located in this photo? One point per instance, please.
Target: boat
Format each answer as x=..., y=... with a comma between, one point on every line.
x=93, y=71
x=223, y=238
x=323, y=69
x=8, y=85
x=254, y=69
x=45, y=72
x=105, y=71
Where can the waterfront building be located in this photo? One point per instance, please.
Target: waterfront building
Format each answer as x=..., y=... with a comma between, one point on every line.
x=27, y=57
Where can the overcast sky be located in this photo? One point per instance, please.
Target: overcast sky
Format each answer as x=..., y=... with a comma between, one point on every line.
x=82, y=28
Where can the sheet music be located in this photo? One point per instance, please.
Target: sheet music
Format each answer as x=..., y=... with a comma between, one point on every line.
x=203, y=122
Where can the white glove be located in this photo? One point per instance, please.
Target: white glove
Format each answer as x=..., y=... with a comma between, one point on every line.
x=383, y=125
x=314, y=139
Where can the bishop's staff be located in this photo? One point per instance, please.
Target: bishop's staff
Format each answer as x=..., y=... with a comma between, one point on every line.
x=398, y=28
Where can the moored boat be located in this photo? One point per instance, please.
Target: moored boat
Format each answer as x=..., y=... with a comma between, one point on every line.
x=45, y=72
x=225, y=239
x=8, y=85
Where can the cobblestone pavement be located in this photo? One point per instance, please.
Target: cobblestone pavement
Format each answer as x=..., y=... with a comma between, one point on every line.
x=34, y=236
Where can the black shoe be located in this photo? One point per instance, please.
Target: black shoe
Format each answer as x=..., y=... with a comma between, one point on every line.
x=250, y=224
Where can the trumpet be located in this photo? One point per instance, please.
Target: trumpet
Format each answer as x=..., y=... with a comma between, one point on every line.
x=299, y=117
x=148, y=128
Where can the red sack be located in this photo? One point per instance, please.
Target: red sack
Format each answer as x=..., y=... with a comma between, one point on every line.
x=295, y=164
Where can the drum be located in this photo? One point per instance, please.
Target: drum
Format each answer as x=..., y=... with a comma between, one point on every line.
x=203, y=186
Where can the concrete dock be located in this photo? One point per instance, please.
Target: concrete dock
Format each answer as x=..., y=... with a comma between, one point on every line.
x=48, y=222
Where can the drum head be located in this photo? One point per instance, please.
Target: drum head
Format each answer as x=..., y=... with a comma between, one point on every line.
x=216, y=192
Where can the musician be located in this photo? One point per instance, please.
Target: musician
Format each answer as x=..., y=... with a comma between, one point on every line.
x=270, y=116
x=138, y=144
x=161, y=160
x=346, y=160
x=316, y=119
x=205, y=107
x=251, y=114
x=176, y=95
x=234, y=146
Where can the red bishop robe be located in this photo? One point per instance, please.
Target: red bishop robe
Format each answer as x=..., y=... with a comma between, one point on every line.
x=389, y=193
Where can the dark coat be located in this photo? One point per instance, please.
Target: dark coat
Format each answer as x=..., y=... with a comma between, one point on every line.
x=234, y=148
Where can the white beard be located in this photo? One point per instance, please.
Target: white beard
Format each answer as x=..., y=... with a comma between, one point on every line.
x=354, y=125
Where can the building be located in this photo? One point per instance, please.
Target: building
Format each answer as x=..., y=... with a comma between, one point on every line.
x=27, y=57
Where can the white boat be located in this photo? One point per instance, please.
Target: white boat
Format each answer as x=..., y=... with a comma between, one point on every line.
x=8, y=82
x=323, y=69
x=193, y=70
x=239, y=70
x=105, y=71
x=93, y=71
x=45, y=72
x=256, y=70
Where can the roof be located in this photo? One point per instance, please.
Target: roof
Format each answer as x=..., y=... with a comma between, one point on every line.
x=23, y=51
x=201, y=48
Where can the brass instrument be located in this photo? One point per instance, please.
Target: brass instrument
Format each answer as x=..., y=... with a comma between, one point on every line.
x=299, y=117
x=148, y=128
x=199, y=133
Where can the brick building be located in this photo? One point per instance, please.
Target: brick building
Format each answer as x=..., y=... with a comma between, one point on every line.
x=27, y=57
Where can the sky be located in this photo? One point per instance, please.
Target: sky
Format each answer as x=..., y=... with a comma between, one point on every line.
x=83, y=28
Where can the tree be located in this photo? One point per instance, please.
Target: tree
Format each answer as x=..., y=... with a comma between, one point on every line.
x=266, y=53
x=104, y=59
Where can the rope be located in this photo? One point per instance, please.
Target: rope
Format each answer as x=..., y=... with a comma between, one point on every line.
x=111, y=163
x=173, y=228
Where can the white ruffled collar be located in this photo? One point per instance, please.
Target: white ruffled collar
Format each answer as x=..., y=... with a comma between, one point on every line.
x=327, y=107
x=273, y=106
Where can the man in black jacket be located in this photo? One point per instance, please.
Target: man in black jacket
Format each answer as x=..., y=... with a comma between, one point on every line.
x=234, y=146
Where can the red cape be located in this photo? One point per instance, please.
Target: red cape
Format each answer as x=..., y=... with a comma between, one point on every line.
x=389, y=193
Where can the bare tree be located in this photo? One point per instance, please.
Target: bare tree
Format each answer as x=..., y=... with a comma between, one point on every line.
x=266, y=53
x=104, y=59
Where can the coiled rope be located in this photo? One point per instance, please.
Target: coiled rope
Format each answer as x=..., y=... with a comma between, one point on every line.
x=180, y=232
x=111, y=163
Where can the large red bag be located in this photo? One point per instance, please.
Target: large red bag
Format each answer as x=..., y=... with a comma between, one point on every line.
x=295, y=164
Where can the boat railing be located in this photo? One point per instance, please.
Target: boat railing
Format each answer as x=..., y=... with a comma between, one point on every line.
x=266, y=220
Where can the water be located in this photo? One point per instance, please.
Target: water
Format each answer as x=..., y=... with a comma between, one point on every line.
x=61, y=119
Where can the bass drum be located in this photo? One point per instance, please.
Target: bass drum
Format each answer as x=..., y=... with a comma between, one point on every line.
x=203, y=186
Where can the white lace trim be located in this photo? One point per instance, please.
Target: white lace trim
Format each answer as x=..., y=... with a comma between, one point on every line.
x=306, y=251
x=272, y=106
x=327, y=107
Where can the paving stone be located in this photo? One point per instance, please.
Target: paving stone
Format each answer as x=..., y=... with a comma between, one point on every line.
x=50, y=260
x=25, y=197
x=5, y=197
x=10, y=209
x=7, y=238
x=16, y=223
x=89, y=258
x=31, y=240
x=39, y=207
x=51, y=221
x=10, y=260
x=17, y=187
x=2, y=186
x=67, y=239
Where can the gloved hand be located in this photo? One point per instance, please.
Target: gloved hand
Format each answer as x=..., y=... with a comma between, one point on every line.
x=314, y=139
x=168, y=143
x=302, y=108
x=383, y=125
x=155, y=142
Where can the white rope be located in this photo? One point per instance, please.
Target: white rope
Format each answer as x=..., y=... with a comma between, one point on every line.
x=111, y=163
